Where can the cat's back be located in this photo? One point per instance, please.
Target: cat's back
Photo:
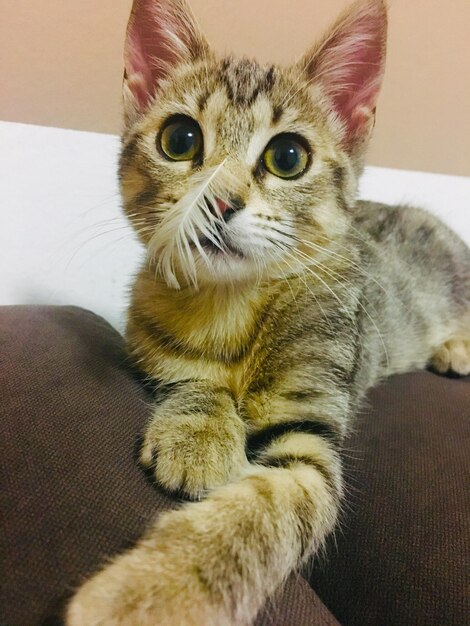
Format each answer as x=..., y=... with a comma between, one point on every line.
x=412, y=232
x=417, y=247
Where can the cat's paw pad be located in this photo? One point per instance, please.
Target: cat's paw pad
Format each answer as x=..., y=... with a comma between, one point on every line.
x=453, y=357
x=193, y=456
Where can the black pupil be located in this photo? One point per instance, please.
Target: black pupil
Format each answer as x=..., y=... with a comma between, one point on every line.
x=182, y=139
x=286, y=156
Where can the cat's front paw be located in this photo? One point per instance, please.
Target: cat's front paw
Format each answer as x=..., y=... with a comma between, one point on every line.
x=193, y=454
x=145, y=587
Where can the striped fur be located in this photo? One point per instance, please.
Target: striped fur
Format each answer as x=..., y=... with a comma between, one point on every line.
x=266, y=347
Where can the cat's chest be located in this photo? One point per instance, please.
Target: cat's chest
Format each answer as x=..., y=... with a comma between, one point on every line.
x=221, y=328
x=212, y=333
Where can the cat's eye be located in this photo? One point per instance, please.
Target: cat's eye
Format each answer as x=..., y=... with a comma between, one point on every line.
x=180, y=139
x=286, y=156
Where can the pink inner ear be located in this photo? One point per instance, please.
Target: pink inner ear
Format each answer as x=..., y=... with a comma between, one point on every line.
x=361, y=67
x=350, y=64
x=156, y=40
x=138, y=72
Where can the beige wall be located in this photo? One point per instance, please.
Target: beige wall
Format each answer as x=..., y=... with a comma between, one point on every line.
x=60, y=65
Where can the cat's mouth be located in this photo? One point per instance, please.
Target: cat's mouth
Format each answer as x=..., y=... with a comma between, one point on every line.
x=223, y=247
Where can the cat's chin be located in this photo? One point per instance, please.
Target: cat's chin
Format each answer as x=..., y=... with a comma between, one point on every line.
x=240, y=268
x=227, y=268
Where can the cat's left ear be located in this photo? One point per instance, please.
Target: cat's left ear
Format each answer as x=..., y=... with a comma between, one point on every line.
x=160, y=35
x=349, y=65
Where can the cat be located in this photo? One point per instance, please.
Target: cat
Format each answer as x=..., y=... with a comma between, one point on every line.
x=271, y=299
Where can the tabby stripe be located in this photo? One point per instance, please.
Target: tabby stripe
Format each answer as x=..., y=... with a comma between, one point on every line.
x=202, y=101
x=172, y=344
x=277, y=114
x=302, y=395
x=265, y=437
x=304, y=510
x=161, y=390
x=146, y=198
x=128, y=153
x=304, y=507
x=164, y=340
x=287, y=460
x=265, y=488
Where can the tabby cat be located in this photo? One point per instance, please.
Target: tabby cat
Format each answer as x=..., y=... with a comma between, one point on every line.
x=271, y=299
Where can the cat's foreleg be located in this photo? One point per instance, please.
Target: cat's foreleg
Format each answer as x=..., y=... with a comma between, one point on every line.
x=195, y=440
x=216, y=562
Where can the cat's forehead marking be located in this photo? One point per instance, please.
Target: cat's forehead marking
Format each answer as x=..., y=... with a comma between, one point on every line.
x=239, y=112
x=245, y=80
x=240, y=131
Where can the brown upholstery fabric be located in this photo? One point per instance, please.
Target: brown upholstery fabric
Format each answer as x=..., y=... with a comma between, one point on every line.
x=70, y=412
x=403, y=555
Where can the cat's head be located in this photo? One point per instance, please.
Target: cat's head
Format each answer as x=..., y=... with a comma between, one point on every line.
x=233, y=171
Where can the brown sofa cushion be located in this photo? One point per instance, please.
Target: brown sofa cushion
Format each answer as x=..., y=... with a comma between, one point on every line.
x=403, y=554
x=72, y=493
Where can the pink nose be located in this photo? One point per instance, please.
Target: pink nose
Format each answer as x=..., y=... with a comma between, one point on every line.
x=222, y=206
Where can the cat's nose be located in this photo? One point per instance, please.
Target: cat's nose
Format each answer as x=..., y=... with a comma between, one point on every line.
x=226, y=210
x=222, y=206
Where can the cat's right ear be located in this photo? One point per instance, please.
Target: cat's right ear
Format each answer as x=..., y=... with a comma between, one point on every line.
x=160, y=35
x=349, y=64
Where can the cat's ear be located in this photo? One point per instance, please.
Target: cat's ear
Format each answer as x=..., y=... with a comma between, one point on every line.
x=349, y=65
x=160, y=35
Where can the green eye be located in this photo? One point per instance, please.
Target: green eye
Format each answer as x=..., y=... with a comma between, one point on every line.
x=181, y=139
x=286, y=156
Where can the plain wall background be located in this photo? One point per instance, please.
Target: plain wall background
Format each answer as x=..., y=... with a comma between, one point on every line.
x=61, y=65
